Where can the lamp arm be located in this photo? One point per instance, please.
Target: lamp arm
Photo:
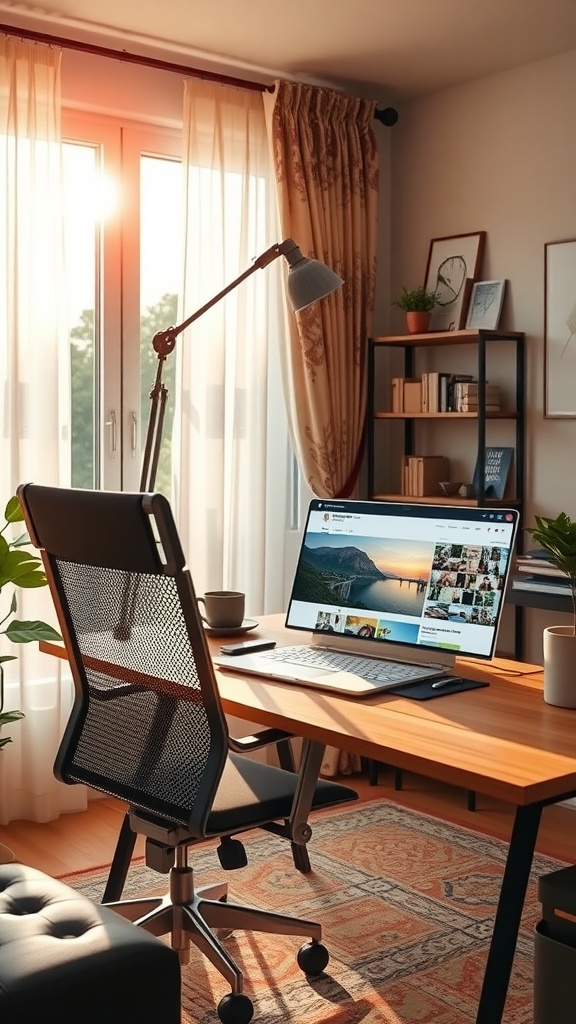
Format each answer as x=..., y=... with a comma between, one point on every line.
x=164, y=343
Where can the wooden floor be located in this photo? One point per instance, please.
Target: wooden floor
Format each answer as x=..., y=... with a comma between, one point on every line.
x=78, y=841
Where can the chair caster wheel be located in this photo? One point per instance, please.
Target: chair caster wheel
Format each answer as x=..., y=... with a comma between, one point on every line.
x=235, y=1009
x=312, y=958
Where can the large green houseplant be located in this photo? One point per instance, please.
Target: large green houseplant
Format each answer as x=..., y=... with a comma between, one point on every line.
x=22, y=569
x=558, y=538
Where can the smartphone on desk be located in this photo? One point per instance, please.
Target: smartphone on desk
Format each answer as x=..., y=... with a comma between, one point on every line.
x=248, y=647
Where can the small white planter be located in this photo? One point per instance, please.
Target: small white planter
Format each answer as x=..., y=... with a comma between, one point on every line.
x=559, y=645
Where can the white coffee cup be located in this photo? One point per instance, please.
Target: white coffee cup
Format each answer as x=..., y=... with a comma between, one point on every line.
x=224, y=608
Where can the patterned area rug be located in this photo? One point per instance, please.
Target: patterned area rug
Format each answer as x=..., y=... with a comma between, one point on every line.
x=406, y=902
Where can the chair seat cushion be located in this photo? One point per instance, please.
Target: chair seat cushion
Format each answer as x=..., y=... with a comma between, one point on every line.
x=251, y=793
x=66, y=959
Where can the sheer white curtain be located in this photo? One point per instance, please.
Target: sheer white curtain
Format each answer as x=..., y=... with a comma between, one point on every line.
x=231, y=448
x=34, y=399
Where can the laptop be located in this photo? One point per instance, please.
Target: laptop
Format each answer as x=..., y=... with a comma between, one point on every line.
x=391, y=593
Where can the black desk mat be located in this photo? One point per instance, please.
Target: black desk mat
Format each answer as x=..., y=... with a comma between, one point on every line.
x=425, y=691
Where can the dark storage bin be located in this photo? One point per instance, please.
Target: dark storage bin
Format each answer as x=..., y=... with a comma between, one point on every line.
x=555, y=949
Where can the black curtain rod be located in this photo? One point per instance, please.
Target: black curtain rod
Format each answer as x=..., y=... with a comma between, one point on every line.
x=388, y=117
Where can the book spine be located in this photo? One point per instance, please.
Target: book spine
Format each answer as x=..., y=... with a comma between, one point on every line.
x=397, y=394
x=424, y=402
x=541, y=587
x=405, y=483
x=433, y=396
x=443, y=392
x=543, y=568
x=547, y=574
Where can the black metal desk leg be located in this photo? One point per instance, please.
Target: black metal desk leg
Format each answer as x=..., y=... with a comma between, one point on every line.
x=508, y=914
x=120, y=863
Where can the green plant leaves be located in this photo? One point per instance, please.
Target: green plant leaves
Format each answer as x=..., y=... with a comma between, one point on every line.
x=20, y=567
x=13, y=512
x=558, y=538
x=26, y=632
x=10, y=716
x=416, y=300
x=24, y=570
x=6, y=718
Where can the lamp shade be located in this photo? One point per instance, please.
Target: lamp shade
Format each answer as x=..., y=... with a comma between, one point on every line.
x=308, y=280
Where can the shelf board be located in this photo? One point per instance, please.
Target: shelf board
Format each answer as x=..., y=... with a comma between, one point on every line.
x=444, y=337
x=443, y=415
x=538, y=599
x=414, y=499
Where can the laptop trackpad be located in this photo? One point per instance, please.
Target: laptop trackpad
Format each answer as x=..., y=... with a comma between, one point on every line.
x=283, y=669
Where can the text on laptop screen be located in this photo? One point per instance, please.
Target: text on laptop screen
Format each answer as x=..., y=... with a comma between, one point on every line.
x=417, y=575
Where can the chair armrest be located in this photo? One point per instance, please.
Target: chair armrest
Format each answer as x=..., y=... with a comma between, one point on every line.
x=246, y=744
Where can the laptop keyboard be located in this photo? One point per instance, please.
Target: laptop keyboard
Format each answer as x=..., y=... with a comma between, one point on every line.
x=370, y=669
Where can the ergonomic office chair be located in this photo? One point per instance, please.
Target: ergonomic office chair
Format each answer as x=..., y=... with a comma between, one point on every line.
x=147, y=724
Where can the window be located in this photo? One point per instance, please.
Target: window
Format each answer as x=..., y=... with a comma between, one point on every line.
x=123, y=263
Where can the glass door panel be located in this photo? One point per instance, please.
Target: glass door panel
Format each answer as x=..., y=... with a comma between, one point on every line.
x=152, y=270
x=80, y=172
x=123, y=257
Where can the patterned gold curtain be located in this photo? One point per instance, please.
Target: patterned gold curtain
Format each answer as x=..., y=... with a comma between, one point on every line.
x=326, y=164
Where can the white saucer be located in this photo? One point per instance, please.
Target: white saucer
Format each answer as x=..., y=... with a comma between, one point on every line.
x=247, y=625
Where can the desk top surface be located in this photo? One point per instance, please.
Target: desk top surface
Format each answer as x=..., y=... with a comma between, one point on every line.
x=502, y=740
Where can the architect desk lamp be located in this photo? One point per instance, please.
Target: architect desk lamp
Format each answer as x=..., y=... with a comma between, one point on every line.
x=308, y=281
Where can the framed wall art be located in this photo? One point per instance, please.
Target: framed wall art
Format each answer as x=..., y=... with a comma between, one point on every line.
x=454, y=264
x=486, y=305
x=560, y=329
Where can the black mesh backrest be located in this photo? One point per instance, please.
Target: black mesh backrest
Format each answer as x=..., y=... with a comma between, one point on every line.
x=147, y=725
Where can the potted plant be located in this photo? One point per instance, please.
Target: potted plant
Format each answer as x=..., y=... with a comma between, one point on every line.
x=418, y=304
x=558, y=538
x=25, y=570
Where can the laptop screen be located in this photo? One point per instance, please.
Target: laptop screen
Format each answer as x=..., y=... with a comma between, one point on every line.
x=422, y=576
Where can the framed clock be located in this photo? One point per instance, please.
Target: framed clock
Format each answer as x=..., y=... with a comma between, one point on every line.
x=453, y=266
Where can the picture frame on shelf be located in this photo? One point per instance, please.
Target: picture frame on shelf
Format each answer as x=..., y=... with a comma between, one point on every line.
x=559, y=329
x=454, y=263
x=485, y=305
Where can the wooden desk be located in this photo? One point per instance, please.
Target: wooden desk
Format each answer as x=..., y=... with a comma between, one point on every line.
x=502, y=740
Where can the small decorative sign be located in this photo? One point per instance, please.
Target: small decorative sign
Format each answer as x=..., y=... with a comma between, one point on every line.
x=497, y=462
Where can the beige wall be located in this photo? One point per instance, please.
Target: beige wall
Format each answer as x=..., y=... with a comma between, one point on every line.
x=499, y=155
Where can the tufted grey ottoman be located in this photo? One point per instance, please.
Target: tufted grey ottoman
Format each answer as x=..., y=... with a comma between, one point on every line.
x=66, y=959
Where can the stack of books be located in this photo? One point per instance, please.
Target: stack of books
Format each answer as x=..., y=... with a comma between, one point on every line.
x=441, y=392
x=534, y=571
x=421, y=475
x=465, y=397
